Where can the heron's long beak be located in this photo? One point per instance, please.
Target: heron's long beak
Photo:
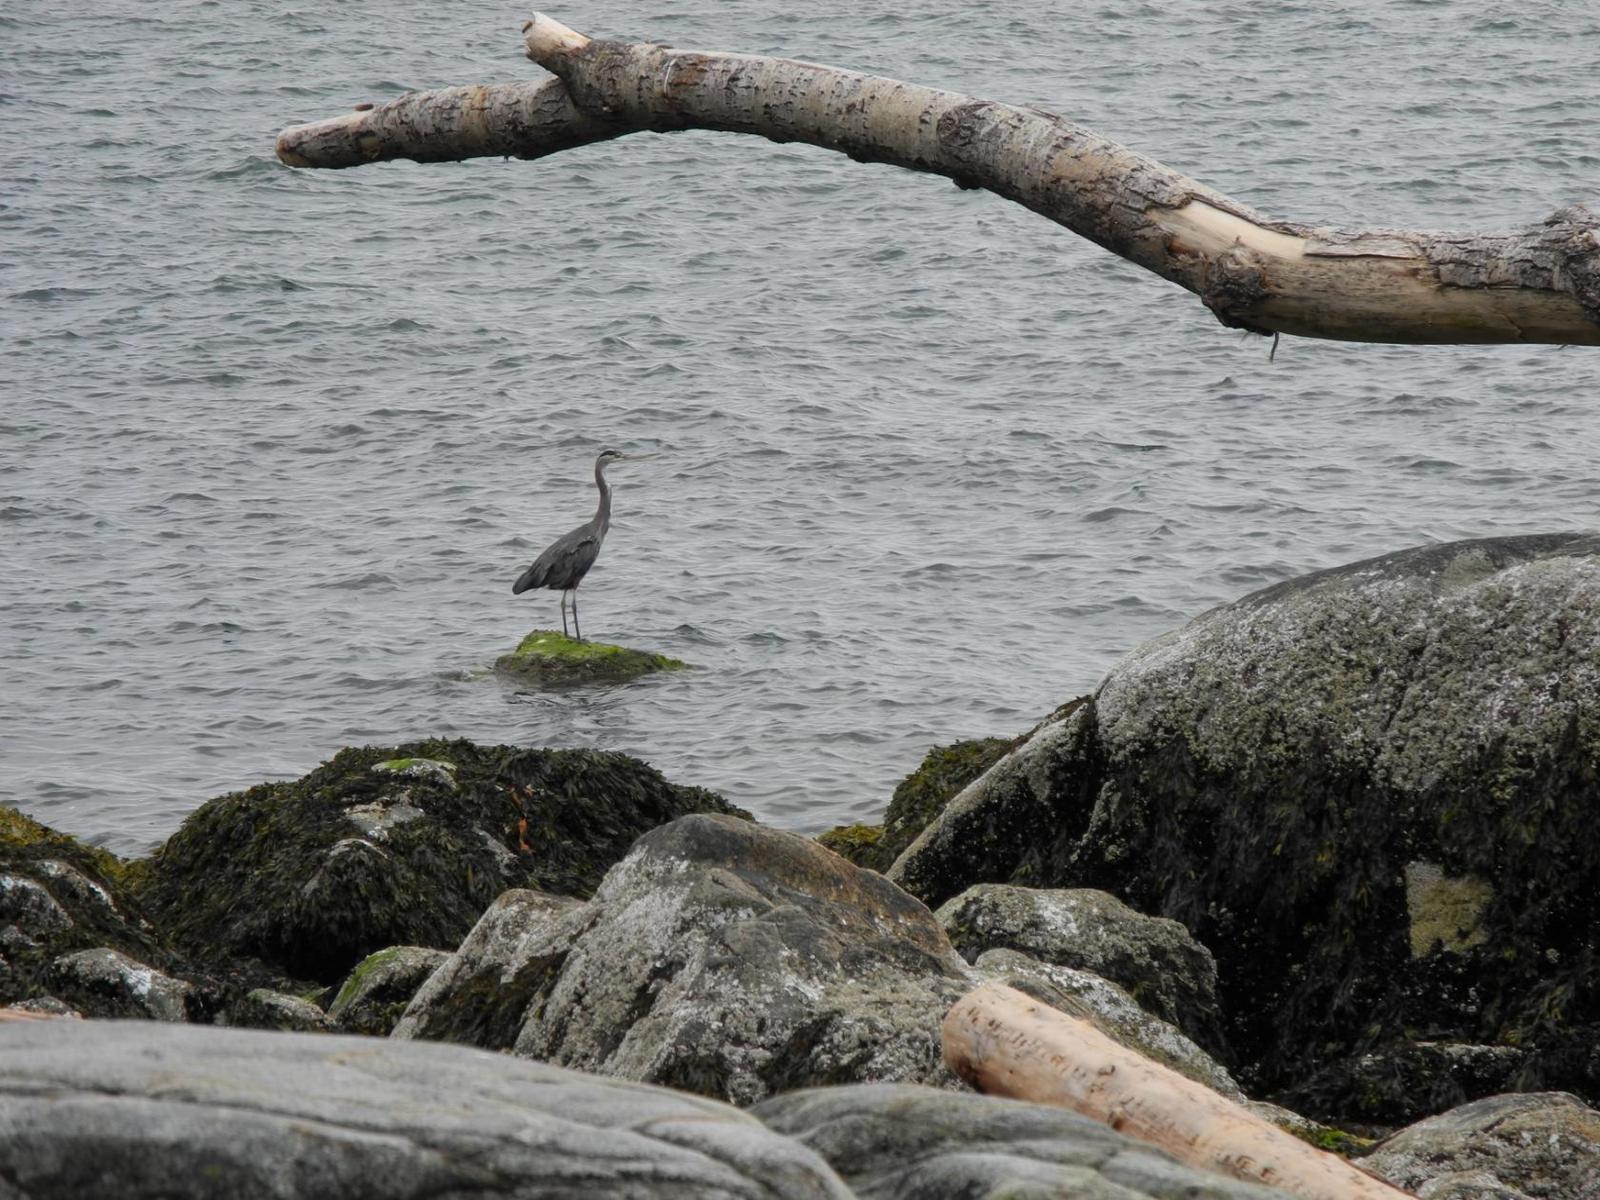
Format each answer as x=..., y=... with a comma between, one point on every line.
x=638, y=457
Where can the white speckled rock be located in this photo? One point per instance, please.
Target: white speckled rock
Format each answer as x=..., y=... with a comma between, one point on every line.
x=1540, y=1146
x=1169, y=973
x=720, y=957
x=121, y=986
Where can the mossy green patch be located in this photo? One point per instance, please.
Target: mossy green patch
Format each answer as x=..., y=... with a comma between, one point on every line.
x=548, y=657
x=857, y=843
x=922, y=795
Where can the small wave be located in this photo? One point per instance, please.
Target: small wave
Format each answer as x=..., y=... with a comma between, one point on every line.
x=357, y=583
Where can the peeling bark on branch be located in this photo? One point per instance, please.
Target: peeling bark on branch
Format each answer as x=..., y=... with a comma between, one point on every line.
x=1538, y=284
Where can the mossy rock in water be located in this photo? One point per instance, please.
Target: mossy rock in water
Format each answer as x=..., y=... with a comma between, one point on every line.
x=400, y=846
x=1370, y=792
x=918, y=799
x=549, y=658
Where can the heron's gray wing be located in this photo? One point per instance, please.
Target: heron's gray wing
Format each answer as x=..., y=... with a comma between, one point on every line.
x=566, y=561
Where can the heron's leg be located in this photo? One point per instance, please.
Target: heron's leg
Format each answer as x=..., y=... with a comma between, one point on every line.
x=564, y=613
x=575, y=624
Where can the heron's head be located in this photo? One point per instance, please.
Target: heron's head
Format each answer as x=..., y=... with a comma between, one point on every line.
x=608, y=456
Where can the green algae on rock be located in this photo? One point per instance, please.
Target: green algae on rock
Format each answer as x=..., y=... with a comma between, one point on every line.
x=551, y=658
x=314, y=874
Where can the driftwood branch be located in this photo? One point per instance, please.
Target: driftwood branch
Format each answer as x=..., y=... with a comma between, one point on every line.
x=1004, y=1042
x=1537, y=284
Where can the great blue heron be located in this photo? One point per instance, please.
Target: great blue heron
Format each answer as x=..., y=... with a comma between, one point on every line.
x=567, y=559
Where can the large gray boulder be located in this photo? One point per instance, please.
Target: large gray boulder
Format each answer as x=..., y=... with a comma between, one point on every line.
x=136, y=1109
x=898, y=1142
x=1370, y=792
x=1538, y=1146
x=720, y=957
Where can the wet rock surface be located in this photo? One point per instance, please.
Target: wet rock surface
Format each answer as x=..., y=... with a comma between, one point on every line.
x=1267, y=774
x=406, y=845
x=718, y=957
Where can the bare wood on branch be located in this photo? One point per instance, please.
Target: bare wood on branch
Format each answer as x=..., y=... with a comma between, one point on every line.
x=1536, y=284
x=1006, y=1043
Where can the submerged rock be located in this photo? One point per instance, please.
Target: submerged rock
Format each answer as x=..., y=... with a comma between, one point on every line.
x=548, y=658
x=720, y=957
x=407, y=845
x=1370, y=792
x=111, y=1108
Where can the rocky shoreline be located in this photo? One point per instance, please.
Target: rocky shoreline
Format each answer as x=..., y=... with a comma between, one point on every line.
x=1326, y=851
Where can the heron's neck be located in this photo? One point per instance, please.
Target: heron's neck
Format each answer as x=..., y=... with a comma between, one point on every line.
x=603, y=513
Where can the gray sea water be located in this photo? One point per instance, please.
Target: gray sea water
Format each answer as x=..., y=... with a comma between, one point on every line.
x=274, y=443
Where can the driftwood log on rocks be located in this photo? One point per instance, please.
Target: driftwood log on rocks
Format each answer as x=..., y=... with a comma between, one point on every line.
x=1536, y=284
x=1004, y=1042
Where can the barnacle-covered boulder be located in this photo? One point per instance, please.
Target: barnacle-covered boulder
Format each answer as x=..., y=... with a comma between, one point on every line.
x=399, y=846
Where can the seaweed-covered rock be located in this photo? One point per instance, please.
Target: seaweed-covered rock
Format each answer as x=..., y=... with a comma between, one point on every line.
x=1165, y=970
x=899, y=1142
x=1539, y=1146
x=719, y=957
x=378, y=990
x=548, y=658
x=917, y=800
x=1111, y=1010
x=102, y=1108
x=57, y=897
x=1370, y=792
x=408, y=845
